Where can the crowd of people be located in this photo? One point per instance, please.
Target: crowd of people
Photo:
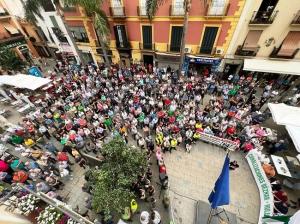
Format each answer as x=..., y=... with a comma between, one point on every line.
x=157, y=108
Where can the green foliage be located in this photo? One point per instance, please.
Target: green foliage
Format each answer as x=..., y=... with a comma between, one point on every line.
x=10, y=61
x=32, y=9
x=93, y=9
x=112, y=182
x=152, y=7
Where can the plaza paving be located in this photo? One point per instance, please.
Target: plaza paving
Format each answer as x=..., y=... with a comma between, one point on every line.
x=192, y=177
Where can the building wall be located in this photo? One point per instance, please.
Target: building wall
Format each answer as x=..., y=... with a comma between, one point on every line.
x=161, y=27
x=277, y=30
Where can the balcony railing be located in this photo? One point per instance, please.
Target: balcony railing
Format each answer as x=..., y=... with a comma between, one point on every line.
x=146, y=46
x=296, y=20
x=212, y=52
x=263, y=17
x=275, y=51
x=173, y=48
x=176, y=10
x=142, y=11
x=125, y=45
x=15, y=37
x=222, y=11
x=117, y=11
x=250, y=53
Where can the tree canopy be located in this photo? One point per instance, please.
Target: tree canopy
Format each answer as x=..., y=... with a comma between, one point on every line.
x=112, y=182
x=10, y=61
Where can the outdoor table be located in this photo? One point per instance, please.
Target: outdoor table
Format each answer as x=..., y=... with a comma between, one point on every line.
x=281, y=166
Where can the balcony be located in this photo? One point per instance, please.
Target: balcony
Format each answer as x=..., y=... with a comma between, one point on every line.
x=296, y=20
x=176, y=10
x=123, y=46
x=12, y=38
x=147, y=47
x=211, y=11
x=212, y=52
x=142, y=11
x=276, y=50
x=263, y=17
x=250, y=53
x=173, y=48
x=117, y=11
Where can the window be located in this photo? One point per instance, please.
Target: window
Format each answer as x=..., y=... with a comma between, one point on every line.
x=217, y=7
x=147, y=37
x=266, y=9
x=208, y=40
x=178, y=8
x=290, y=44
x=54, y=22
x=251, y=41
x=143, y=11
x=79, y=34
x=41, y=34
x=121, y=37
x=117, y=8
x=48, y=6
x=176, y=37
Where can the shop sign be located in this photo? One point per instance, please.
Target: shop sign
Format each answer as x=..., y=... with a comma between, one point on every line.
x=263, y=184
x=201, y=60
x=10, y=44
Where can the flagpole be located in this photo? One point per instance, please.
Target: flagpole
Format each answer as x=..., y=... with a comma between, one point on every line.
x=210, y=216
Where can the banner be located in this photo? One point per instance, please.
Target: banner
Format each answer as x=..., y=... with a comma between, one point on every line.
x=263, y=184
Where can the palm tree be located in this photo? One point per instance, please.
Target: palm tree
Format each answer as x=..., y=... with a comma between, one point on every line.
x=152, y=7
x=93, y=9
x=32, y=10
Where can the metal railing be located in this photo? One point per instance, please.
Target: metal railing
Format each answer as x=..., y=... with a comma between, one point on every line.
x=263, y=17
x=222, y=12
x=117, y=11
x=176, y=10
x=173, y=48
x=296, y=20
x=274, y=53
x=212, y=52
x=147, y=46
x=250, y=53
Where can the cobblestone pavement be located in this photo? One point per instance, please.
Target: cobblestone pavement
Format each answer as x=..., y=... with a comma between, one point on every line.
x=192, y=177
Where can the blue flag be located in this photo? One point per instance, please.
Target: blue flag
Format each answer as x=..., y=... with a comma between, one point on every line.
x=220, y=194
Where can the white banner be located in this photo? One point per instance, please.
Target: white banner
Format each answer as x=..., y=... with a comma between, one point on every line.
x=263, y=184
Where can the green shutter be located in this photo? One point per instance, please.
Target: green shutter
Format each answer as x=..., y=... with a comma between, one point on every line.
x=147, y=37
x=54, y=22
x=176, y=36
x=208, y=40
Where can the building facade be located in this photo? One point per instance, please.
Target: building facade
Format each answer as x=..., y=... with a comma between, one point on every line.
x=267, y=38
x=135, y=39
x=12, y=35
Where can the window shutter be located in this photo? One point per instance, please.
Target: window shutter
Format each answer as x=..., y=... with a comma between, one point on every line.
x=208, y=40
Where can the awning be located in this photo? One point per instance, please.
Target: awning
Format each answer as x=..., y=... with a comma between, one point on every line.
x=285, y=115
x=290, y=44
x=272, y=66
x=294, y=133
x=290, y=117
x=24, y=81
x=251, y=42
x=10, y=28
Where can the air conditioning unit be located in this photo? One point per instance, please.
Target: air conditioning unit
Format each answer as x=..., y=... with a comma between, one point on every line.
x=187, y=50
x=219, y=51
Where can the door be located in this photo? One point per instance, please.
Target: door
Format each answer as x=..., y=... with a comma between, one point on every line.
x=121, y=37
x=208, y=40
x=176, y=36
x=148, y=59
x=147, y=37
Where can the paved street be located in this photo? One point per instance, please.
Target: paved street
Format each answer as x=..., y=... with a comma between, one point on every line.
x=192, y=177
